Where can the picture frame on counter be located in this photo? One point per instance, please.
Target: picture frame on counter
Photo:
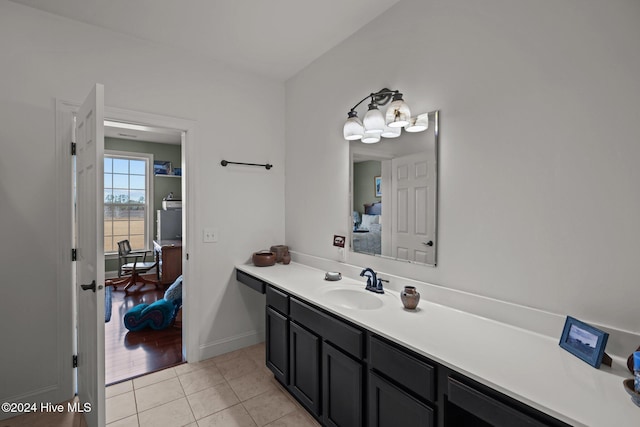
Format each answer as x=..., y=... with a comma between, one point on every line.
x=585, y=342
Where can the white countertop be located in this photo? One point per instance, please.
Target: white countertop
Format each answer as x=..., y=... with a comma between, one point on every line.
x=527, y=366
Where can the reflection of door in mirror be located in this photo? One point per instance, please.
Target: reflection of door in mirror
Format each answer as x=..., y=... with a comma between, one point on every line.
x=400, y=223
x=412, y=193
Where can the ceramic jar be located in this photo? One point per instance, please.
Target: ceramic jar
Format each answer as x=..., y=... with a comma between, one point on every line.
x=281, y=252
x=263, y=258
x=410, y=297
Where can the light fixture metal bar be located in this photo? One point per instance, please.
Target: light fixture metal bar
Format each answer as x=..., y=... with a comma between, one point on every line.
x=382, y=97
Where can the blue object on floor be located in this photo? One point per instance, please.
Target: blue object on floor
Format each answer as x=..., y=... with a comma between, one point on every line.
x=156, y=316
x=159, y=314
x=107, y=304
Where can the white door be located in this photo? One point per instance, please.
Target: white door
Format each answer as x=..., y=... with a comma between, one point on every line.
x=413, y=191
x=90, y=255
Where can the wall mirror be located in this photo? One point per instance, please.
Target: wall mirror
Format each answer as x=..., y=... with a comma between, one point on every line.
x=394, y=196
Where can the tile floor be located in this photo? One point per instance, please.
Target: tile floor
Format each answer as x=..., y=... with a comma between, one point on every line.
x=232, y=390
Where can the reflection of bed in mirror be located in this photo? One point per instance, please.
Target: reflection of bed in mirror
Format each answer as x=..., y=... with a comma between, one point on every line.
x=367, y=237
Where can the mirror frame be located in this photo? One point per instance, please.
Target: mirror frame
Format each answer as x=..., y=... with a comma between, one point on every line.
x=435, y=116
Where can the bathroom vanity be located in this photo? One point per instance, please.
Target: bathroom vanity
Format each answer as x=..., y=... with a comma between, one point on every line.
x=355, y=358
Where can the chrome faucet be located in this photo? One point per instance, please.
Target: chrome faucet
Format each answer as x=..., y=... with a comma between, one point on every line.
x=373, y=283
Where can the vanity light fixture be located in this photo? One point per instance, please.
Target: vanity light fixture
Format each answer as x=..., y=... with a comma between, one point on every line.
x=374, y=120
x=418, y=124
x=376, y=125
x=371, y=137
x=390, y=132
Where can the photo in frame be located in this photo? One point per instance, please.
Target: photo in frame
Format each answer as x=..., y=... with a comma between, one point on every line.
x=377, y=182
x=160, y=167
x=585, y=342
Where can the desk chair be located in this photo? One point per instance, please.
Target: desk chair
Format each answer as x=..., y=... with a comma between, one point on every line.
x=129, y=273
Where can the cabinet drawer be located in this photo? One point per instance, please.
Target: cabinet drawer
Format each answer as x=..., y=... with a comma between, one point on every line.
x=252, y=282
x=337, y=332
x=486, y=407
x=278, y=300
x=403, y=368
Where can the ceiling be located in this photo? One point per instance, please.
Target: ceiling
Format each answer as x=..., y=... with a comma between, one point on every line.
x=275, y=38
x=141, y=133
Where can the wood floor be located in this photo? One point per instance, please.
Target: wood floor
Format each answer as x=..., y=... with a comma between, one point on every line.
x=131, y=354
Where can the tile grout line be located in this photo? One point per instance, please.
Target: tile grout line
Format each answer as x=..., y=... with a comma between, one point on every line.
x=187, y=399
x=226, y=382
x=135, y=402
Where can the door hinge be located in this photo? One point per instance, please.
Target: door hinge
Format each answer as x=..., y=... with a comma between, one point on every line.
x=73, y=148
x=75, y=360
x=74, y=254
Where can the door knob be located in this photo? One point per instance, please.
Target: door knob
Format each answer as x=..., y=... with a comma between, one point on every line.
x=429, y=243
x=91, y=286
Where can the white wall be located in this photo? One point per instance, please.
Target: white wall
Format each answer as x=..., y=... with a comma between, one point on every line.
x=539, y=150
x=45, y=57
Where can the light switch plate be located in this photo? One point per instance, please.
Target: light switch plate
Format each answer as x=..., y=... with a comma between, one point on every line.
x=210, y=235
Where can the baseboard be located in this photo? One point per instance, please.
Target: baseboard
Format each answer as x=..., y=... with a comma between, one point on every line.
x=48, y=394
x=226, y=345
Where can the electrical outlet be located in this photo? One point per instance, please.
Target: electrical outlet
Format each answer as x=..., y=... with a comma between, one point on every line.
x=210, y=235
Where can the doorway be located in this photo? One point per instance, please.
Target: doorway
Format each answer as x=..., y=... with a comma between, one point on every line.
x=87, y=379
x=143, y=169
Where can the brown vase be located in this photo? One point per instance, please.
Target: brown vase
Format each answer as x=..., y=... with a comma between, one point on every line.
x=280, y=251
x=286, y=258
x=263, y=258
x=410, y=297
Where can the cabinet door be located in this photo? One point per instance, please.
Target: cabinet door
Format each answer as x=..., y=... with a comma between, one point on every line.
x=391, y=407
x=341, y=389
x=277, y=345
x=304, y=356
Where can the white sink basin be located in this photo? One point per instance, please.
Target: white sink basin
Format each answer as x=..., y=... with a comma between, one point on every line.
x=357, y=299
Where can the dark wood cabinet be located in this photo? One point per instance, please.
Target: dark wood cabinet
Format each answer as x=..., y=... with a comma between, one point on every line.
x=253, y=282
x=406, y=369
x=342, y=391
x=332, y=329
x=471, y=403
x=347, y=376
x=277, y=344
x=276, y=328
x=389, y=406
x=304, y=375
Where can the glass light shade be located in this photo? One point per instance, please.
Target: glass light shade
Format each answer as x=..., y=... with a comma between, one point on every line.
x=398, y=114
x=353, y=129
x=373, y=121
x=418, y=124
x=391, y=132
x=371, y=137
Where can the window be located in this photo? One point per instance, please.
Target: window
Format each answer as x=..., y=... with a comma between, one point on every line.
x=127, y=200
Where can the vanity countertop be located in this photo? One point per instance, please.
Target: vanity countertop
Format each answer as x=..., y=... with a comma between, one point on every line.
x=527, y=366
